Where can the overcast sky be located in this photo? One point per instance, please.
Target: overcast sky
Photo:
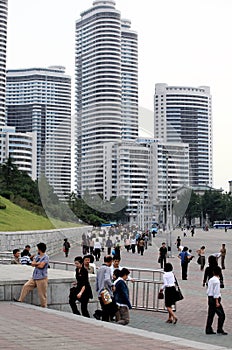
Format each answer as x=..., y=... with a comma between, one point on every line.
x=181, y=42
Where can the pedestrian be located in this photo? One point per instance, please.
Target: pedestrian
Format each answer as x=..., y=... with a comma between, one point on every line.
x=133, y=244
x=169, y=292
x=141, y=245
x=66, y=247
x=109, y=245
x=212, y=263
x=223, y=256
x=178, y=242
x=185, y=257
x=192, y=231
x=16, y=257
x=185, y=232
x=127, y=244
x=81, y=289
x=88, y=263
x=214, y=304
x=97, y=249
x=201, y=257
x=121, y=297
x=104, y=282
x=163, y=255
x=39, y=278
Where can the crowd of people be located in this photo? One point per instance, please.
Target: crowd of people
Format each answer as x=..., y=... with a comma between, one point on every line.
x=111, y=277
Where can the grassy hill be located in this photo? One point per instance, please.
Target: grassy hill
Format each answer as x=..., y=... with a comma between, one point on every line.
x=14, y=218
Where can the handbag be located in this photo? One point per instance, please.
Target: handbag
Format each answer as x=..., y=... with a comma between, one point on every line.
x=178, y=294
x=160, y=295
x=106, y=297
x=159, y=259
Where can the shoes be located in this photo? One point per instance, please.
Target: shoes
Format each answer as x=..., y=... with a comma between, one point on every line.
x=169, y=321
x=222, y=333
x=175, y=320
x=210, y=332
x=16, y=300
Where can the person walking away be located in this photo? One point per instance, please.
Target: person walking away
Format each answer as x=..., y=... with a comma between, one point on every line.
x=81, y=290
x=133, y=244
x=127, y=244
x=97, y=249
x=178, y=242
x=223, y=256
x=192, y=231
x=104, y=281
x=163, y=255
x=66, y=247
x=201, y=257
x=109, y=245
x=141, y=244
x=169, y=292
x=214, y=304
x=185, y=257
x=121, y=296
x=39, y=277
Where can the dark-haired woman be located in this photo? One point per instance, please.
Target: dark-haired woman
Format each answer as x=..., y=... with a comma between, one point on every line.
x=82, y=290
x=169, y=292
x=209, y=271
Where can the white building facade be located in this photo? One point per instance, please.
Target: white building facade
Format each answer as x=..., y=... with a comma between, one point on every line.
x=106, y=89
x=183, y=114
x=39, y=100
x=20, y=147
x=3, y=48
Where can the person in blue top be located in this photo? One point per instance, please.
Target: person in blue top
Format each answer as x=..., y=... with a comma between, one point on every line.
x=185, y=258
x=39, y=277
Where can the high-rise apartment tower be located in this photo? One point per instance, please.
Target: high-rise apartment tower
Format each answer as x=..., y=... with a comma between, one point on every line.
x=3, y=42
x=106, y=89
x=39, y=100
x=183, y=114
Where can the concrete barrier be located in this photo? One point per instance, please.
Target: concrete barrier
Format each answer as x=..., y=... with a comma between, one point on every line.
x=12, y=278
x=53, y=238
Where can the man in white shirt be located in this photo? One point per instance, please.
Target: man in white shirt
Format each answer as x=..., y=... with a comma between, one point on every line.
x=214, y=304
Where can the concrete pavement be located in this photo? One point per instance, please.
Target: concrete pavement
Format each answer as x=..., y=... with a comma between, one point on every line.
x=23, y=325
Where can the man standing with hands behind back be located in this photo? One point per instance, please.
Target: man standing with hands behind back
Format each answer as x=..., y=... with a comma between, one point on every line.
x=39, y=278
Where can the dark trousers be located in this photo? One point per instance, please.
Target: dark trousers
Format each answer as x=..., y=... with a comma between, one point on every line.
x=97, y=253
x=184, y=268
x=84, y=303
x=162, y=261
x=109, y=250
x=133, y=248
x=108, y=310
x=141, y=250
x=212, y=310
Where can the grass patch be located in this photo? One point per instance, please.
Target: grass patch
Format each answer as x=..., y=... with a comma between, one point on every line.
x=14, y=218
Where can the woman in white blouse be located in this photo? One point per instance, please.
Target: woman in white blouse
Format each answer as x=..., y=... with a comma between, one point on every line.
x=169, y=292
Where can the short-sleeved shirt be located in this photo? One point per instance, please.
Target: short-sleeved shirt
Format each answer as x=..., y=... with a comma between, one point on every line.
x=39, y=274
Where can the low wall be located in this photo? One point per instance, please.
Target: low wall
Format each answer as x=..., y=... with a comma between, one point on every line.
x=13, y=278
x=52, y=238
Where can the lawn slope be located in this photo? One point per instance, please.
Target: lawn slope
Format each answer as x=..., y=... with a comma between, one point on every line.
x=14, y=218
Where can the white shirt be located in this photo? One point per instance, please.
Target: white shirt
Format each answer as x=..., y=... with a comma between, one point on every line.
x=214, y=287
x=169, y=279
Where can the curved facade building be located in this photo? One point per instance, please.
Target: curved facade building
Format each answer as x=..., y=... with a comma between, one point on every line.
x=106, y=89
x=3, y=43
x=183, y=114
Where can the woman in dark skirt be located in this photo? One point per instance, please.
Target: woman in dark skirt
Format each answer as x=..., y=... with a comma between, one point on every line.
x=169, y=292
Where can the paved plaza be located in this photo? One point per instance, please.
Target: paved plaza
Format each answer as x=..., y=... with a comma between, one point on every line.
x=28, y=325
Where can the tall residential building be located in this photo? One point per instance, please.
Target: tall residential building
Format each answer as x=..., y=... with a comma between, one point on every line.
x=106, y=89
x=20, y=147
x=3, y=43
x=183, y=114
x=39, y=100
